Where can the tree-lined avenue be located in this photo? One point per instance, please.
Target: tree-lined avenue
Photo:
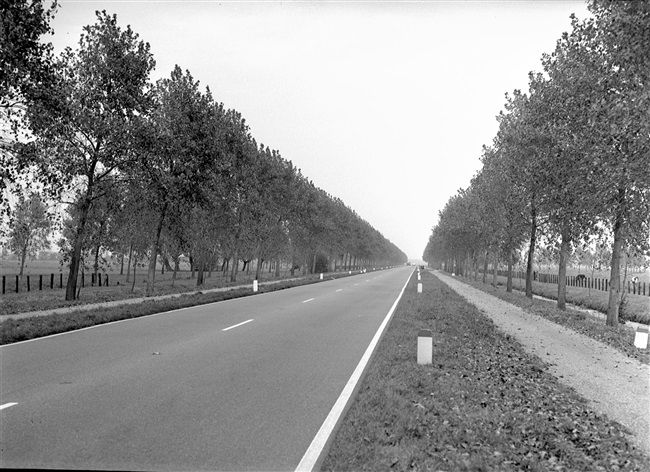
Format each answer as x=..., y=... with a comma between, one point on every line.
x=175, y=391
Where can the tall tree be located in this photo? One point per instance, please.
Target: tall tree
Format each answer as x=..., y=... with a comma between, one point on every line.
x=30, y=228
x=178, y=151
x=87, y=137
x=26, y=74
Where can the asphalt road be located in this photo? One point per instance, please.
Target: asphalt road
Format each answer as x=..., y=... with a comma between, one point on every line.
x=202, y=388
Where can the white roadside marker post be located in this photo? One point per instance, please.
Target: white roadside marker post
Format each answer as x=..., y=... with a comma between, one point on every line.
x=419, y=278
x=425, y=347
x=641, y=337
x=254, y=285
x=420, y=287
x=321, y=276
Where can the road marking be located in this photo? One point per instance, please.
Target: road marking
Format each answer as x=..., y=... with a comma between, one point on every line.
x=312, y=456
x=339, y=290
x=7, y=405
x=239, y=324
x=305, y=301
x=356, y=285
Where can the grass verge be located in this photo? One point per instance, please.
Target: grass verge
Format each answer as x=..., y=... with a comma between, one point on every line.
x=620, y=337
x=483, y=405
x=14, y=330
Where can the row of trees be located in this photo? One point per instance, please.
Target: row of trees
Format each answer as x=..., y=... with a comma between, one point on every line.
x=157, y=170
x=571, y=159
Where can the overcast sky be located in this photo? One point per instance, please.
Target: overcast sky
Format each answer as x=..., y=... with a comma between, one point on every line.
x=385, y=105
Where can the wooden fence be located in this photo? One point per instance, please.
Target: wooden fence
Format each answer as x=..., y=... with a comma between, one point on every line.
x=28, y=283
x=583, y=281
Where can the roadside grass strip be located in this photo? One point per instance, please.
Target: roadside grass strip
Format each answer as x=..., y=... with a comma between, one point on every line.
x=620, y=337
x=24, y=329
x=483, y=404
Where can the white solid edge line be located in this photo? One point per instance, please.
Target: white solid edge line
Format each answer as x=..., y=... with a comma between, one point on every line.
x=7, y=405
x=315, y=449
x=239, y=324
x=305, y=301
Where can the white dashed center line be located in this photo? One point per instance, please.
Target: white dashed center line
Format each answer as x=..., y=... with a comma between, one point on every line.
x=7, y=405
x=339, y=290
x=239, y=324
x=305, y=301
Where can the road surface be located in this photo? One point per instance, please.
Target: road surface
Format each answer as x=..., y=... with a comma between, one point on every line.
x=243, y=384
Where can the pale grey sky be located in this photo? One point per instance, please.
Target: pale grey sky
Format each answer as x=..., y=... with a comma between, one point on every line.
x=383, y=104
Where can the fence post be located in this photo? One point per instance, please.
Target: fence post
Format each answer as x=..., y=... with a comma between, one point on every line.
x=106, y=280
x=40, y=282
x=17, y=284
x=3, y=284
x=99, y=279
x=28, y=283
x=61, y=280
x=51, y=281
x=83, y=280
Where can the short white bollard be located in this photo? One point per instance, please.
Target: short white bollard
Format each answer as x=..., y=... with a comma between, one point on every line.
x=419, y=277
x=425, y=347
x=420, y=288
x=254, y=285
x=641, y=337
x=321, y=276
x=350, y=273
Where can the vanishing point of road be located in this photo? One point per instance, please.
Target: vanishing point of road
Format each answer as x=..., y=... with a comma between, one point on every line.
x=243, y=384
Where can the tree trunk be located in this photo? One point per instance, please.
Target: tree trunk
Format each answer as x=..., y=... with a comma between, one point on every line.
x=258, y=269
x=23, y=257
x=128, y=267
x=561, y=283
x=277, y=267
x=176, y=268
x=200, y=269
x=509, y=282
x=495, y=269
x=615, y=274
x=122, y=264
x=485, y=266
x=155, y=249
x=135, y=263
x=96, y=264
x=84, y=208
x=235, y=266
x=531, y=254
x=313, y=264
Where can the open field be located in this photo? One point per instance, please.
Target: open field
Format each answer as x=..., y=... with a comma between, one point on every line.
x=484, y=404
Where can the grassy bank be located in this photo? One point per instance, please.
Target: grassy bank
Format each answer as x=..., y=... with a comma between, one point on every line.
x=34, y=327
x=620, y=337
x=484, y=404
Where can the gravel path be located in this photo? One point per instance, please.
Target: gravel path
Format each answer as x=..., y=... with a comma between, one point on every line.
x=613, y=383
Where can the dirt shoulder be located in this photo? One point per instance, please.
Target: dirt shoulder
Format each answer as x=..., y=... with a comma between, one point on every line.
x=613, y=383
